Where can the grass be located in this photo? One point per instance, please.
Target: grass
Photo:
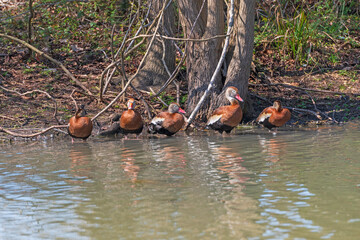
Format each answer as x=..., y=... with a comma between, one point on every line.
x=295, y=28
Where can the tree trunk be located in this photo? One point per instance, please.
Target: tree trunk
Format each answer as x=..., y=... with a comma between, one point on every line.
x=202, y=57
x=153, y=73
x=239, y=56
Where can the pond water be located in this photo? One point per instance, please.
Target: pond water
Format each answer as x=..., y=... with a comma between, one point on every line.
x=298, y=184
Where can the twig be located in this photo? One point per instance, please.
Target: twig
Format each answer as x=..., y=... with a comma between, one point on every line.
x=36, y=90
x=30, y=135
x=259, y=97
x=6, y=117
x=72, y=98
x=316, y=109
x=106, y=71
x=67, y=72
x=152, y=91
x=218, y=67
x=168, y=72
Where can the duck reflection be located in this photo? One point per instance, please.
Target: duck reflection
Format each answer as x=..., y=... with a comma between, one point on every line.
x=273, y=148
x=80, y=157
x=229, y=162
x=128, y=164
x=170, y=157
x=240, y=209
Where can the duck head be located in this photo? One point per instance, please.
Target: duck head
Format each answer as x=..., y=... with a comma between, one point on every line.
x=174, y=108
x=232, y=94
x=131, y=103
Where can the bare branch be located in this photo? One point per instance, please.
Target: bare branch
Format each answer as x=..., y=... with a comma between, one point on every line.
x=72, y=98
x=30, y=135
x=67, y=72
x=36, y=90
x=304, y=89
x=152, y=91
x=138, y=70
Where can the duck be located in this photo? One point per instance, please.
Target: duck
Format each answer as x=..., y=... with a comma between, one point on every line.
x=131, y=120
x=225, y=118
x=169, y=122
x=274, y=116
x=80, y=126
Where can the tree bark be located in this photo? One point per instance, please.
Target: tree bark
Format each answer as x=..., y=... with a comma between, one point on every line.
x=239, y=56
x=202, y=57
x=153, y=73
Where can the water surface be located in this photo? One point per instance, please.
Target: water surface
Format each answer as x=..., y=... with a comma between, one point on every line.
x=299, y=184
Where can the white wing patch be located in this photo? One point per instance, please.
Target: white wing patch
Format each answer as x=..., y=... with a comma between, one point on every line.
x=213, y=119
x=157, y=120
x=263, y=116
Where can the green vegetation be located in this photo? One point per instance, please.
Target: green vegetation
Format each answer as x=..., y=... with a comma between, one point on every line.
x=295, y=29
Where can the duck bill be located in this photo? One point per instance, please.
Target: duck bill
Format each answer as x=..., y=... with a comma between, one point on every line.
x=130, y=105
x=239, y=98
x=181, y=110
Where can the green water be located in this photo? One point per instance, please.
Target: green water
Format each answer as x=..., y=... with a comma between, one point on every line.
x=295, y=185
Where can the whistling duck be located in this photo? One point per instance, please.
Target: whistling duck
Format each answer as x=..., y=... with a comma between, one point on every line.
x=79, y=125
x=130, y=120
x=274, y=116
x=168, y=122
x=225, y=118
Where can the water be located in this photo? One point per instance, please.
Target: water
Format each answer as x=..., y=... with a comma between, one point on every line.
x=295, y=185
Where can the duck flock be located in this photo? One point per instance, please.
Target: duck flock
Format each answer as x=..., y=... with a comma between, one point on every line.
x=223, y=119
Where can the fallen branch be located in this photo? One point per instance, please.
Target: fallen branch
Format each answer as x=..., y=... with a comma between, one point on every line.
x=179, y=39
x=301, y=88
x=30, y=135
x=36, y=90
x=67, y=72
x=316, y=109
x=218, y=67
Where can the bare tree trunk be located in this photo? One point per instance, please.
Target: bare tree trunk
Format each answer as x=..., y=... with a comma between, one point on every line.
x=202, y=57
x=153, y=73
x=239, y=56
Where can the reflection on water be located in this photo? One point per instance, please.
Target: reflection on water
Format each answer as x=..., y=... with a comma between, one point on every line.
x=296, y=184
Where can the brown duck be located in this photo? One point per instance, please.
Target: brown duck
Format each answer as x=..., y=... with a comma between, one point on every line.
x=131, y=120
x=169, y=122
x=274, y=116
x=80, y=126
x=225, y=118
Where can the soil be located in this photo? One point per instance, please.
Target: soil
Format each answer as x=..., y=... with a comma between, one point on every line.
x=327, y=94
